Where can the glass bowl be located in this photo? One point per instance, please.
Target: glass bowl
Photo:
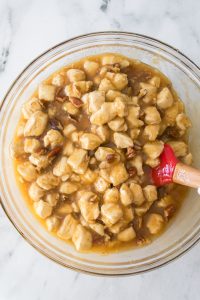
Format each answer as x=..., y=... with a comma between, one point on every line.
x=182, y=232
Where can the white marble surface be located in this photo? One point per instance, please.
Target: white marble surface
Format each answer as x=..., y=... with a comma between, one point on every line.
x=27, y=28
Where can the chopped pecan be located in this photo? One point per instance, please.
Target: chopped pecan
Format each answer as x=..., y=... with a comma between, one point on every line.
x=137, y=145
x=169, y=211
x=132, y=171
x=55, y=124
x=137, y=223
x=44, y=105
x=130, y=153
x=60, y=93
x=143, y=76
x=42, y=151
x=115, y=68
x=76, y=101
x=110, y=157
x=61, y=99
x=91, y=153
x=142, y=93
x=118, y=186
x=142, y=241
x=173, y=131
x=76, y=215
x=73, y=119
x=54, y=152
x=97, y=239
x=111, y=235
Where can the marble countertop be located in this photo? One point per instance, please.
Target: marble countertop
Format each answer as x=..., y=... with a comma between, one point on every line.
x=27, y=28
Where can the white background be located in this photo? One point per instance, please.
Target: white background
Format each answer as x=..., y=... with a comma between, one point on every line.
x=27, y=28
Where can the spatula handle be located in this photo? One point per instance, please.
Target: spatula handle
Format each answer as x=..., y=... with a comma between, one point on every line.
x=186, y=175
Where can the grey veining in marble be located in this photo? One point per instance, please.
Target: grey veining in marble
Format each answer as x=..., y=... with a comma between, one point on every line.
x=27, y=28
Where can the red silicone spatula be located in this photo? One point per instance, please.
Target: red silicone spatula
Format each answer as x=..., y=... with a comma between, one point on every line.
x=171, y=170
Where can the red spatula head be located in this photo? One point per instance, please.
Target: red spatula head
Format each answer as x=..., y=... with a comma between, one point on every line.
x=163, y=173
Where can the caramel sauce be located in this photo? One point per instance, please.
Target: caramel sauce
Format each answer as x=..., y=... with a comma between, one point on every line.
x=137, y=72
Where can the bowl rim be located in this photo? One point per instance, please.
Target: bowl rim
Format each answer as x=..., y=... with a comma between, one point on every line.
x=175, y=52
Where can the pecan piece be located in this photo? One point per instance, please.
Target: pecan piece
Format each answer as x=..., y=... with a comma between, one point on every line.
x=172, y=131
x=76, y=101
x=55, y=124
x=142, y=241
x=60, y=99
x=137, y=223
x=91, y=153
x=130, y=153
x=42, y=151
x=132, y=171
x=97, y=239
x=60, y=93
x=169, y=211
x=137, y=145
x=142, y=93
x=73, y=119
x=110, y=157
x=54, y=152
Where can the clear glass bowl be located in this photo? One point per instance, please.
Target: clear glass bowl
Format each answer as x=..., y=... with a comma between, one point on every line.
x=183, y=231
